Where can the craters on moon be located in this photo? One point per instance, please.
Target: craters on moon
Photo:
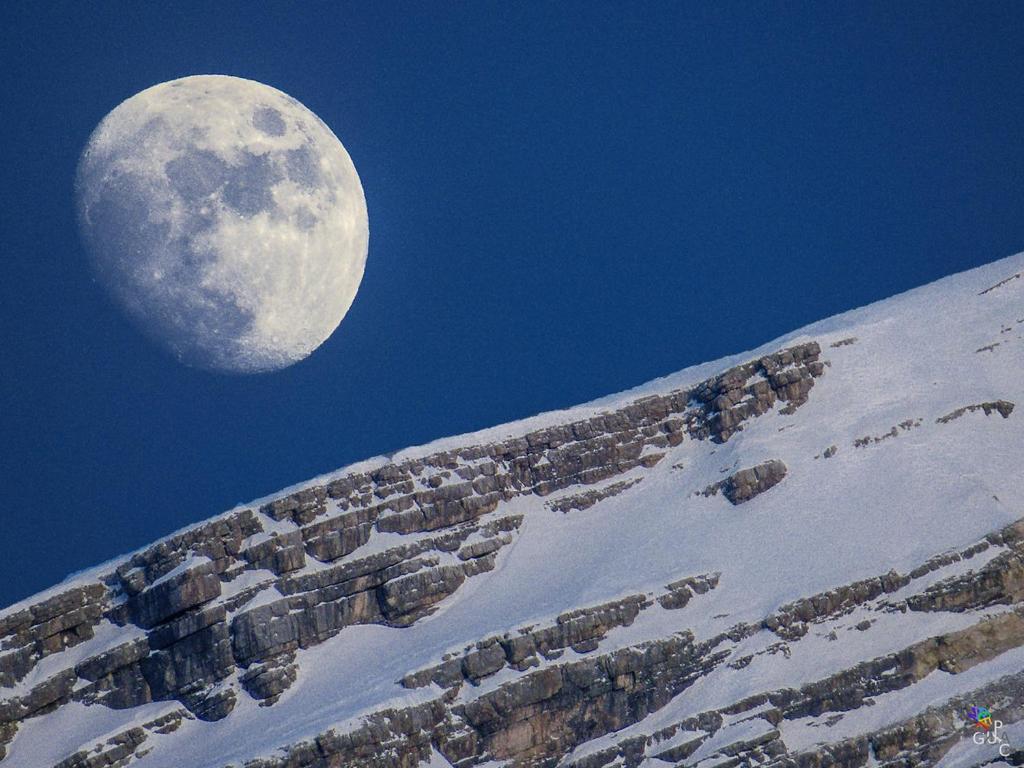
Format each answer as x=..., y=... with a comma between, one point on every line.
x=226, y=219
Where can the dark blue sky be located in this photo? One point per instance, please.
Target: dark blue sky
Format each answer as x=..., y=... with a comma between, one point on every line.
x=566, y=199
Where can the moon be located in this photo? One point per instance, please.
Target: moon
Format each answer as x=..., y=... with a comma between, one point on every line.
x=226, y=219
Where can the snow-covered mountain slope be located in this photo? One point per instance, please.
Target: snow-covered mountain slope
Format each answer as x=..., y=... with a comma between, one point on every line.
x=806, y=554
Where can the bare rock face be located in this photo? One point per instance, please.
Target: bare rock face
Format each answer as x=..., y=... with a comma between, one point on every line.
x=747, y=483
x=48, y=627
x=588, y=499
x=174, y=596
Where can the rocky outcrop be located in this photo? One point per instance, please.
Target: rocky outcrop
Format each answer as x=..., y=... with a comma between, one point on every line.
x=679, y=592
x=587, y=499
x=997, y=581
x=747, y=483
x=895, y=431
x=581, y=630
x=48, y=627
x=1003, y=407
x=752, y=389
x=121, y=748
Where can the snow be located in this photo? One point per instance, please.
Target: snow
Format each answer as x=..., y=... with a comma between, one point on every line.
x=742, y=731
x=677, y=739
x=190, y=562
x=107, y=635
x=437, y=760
x=894, y=707
x=893, y=504
x=81, y=726
x=966, y=754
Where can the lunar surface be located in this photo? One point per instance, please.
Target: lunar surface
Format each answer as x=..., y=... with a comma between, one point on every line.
x=226, y=219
